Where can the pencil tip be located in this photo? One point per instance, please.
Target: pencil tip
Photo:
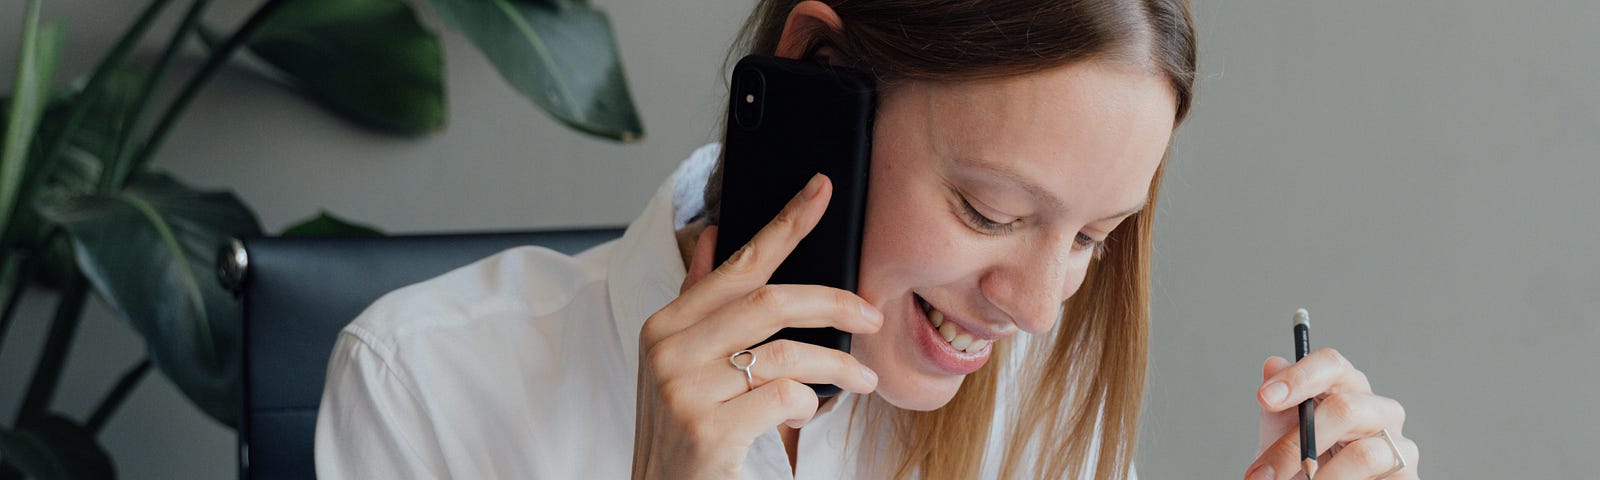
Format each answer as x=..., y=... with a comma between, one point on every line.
x=1302, y=317
x=1310, y=466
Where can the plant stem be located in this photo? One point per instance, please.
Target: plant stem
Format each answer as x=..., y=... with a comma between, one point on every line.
x=117, y=172
x=214, y=62
x=47, y=374
x=17, y=281
x=118, y=393
x=91, y=90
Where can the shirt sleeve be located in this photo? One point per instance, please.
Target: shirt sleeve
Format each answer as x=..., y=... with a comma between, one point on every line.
x=370, y=423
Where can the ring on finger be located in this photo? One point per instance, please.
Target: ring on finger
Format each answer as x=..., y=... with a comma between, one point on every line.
x=1399, y=460
x=749, y=380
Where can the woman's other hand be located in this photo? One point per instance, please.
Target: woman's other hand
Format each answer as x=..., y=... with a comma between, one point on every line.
x=696, y=416
x=1350, y=420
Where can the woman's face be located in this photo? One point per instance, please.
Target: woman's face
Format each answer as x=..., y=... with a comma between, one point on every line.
x=987, y=201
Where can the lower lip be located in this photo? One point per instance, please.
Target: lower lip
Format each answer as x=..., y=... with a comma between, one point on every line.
x=940, y=353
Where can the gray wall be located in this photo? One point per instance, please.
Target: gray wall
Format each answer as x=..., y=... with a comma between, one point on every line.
x=1423, y=177
x=1420, y=175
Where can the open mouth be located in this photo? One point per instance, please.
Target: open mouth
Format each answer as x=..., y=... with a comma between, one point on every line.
x=955, y=336
x=947, y=343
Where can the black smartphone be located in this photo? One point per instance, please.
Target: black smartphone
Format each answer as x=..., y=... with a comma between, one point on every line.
x=787, y=121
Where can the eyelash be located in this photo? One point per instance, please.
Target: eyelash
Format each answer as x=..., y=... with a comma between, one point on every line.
x=983, y=223
x=988, y=226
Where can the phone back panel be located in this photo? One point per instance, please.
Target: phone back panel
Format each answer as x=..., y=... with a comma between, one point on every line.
x=810, y=119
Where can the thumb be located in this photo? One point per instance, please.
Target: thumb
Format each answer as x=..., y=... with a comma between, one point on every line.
x=1275, y=424
x=1273, y=365
x=700, y=264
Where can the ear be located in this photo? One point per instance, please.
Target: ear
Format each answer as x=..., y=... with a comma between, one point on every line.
x=809, y=23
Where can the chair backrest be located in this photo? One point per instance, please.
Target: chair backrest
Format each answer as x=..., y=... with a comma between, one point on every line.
x=298, y=293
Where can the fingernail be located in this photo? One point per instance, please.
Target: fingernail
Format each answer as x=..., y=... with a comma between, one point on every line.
x=1262, y=472
x=1275, y=393
x=869, y=375
x=813, y=187
x=871, y=314
x=738, y=255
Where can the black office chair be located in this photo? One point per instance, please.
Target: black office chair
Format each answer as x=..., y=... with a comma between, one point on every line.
x=299, y=292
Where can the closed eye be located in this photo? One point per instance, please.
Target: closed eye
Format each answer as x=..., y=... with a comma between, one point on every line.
x=981, y=222
x=986, y=225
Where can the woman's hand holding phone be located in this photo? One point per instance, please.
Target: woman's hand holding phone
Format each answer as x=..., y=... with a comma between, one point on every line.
x=696, y=416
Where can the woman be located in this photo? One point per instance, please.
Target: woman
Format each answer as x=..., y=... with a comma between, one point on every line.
x=1000, y=326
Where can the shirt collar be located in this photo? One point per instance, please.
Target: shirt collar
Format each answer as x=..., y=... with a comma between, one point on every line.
x=646, y=268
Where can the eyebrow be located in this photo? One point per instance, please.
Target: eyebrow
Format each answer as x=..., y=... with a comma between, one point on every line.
x=1035, y=189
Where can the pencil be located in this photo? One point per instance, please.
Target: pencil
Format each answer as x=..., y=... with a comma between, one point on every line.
x=1308, y=409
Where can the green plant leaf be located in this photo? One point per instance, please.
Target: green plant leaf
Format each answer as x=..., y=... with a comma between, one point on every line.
x=328, y=225
x=560, y=55
x=96, y=139
x=368, y=59
x=148, y=251
x=56, y=448
x=30, y=92
x=77, y=169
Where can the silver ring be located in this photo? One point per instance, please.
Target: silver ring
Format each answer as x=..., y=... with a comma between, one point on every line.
x=749, y=381
x=1399, y=460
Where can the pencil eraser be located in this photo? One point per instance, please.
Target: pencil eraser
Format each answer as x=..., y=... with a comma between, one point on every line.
x=1302, y=317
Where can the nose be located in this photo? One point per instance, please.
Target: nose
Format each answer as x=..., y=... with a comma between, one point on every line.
x=1030, y=282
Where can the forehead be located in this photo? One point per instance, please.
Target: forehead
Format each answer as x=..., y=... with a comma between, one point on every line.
x=1086, y=131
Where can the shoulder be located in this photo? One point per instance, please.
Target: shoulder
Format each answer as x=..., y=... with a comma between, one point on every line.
x=517, y=289
x=446, y=375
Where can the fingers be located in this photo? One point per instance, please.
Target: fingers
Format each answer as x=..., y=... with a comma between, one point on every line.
x=799, y=361
x=809, y=363
x=753, y=264
x=1371, y=458
x=1273, y=424
x=756, y=316
x=1341, y=417
x=1321, y=372
x=1273, y=365
x=779, y=401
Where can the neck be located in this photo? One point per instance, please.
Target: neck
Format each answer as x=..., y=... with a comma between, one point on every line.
x=687, y=236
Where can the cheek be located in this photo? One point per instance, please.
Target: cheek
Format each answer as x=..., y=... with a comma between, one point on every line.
x=910, y=241
x=898, y=257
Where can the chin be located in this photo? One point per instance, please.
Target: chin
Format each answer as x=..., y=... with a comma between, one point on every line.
x=919, y=394
x=908, y=379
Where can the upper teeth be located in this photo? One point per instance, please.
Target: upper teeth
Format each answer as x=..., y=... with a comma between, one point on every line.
x=958, y=337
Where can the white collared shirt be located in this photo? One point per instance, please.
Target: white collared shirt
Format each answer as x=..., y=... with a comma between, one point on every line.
x=523, y=365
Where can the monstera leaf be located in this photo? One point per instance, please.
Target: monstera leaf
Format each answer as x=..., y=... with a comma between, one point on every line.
x=147, y=250
x=558, y=53
x=56, y=448
x=369, y=59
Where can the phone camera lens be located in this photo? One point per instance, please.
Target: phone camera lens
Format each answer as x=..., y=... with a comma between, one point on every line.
x=749, y=89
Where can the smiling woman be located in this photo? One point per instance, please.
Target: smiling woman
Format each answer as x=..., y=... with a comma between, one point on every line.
x=1004, y=164
x=999, y=326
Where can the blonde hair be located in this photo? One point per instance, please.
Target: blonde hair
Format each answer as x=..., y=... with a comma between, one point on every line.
x=1090, y=386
